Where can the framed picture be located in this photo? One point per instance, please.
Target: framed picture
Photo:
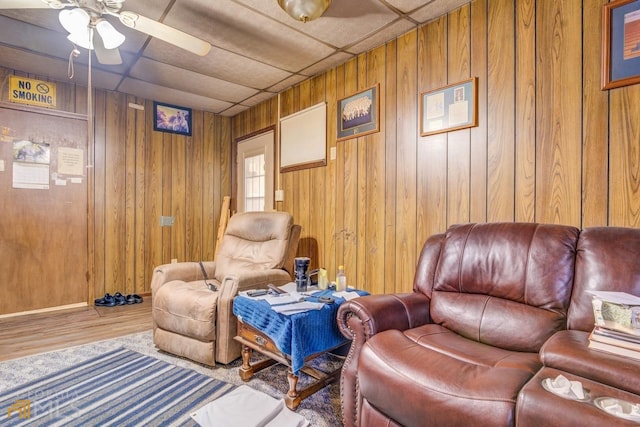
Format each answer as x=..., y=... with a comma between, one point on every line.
x=303, y=139
x=171, y=118
x=620, y=43
x=358, y=114
x=449, y=108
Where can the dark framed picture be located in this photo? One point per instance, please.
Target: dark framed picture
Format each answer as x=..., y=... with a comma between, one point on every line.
x=449, y=108
x=620, y=43
x=358, y=114
x=171, y=118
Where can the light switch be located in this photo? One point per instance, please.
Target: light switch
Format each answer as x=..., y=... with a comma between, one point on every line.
x=332, y=153
x=1, y=165
x=167, y=221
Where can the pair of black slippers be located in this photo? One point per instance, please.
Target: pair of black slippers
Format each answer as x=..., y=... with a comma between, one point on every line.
x=109, y=300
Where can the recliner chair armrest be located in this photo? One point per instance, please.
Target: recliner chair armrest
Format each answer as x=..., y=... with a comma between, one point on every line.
x=185, y=271
x=569, y=351
x=257, y=279
x=377, y=313
x=361, y=318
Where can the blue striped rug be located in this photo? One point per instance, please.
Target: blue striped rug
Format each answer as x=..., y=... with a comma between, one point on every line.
x=118, y=388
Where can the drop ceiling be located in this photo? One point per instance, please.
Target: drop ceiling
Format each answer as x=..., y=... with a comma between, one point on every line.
x=258, y=50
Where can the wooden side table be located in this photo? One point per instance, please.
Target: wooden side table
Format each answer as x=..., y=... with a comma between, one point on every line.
x=253, y=339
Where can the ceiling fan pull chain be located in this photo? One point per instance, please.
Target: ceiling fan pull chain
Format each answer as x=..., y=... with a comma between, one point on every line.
x=74, y=54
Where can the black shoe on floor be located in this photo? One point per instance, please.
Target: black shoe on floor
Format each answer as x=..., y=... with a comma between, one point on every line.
x=106, y=301
x=134, y=299
x=119, y=298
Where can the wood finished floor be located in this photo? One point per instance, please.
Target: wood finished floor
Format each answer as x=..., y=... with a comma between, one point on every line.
x=37, y=333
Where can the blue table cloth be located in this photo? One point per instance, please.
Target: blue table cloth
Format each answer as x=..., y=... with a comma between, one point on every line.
x=297, y=335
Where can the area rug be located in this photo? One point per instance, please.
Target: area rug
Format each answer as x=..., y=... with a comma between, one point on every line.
x=322, y=409
x=118, y=388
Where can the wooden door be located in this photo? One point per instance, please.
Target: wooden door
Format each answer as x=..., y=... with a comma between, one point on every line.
x=43, y=232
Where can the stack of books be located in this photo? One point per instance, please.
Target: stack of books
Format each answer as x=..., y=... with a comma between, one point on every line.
x=617, y=324
x=616, y=342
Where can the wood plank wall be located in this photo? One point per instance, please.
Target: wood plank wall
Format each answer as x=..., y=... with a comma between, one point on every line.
x=137, y=175
x=550, y=145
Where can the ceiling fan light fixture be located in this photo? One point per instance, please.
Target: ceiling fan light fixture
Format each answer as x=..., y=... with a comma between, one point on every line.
x=304, y=10
x=111, y=37
x=74, y=20
x=82, y=38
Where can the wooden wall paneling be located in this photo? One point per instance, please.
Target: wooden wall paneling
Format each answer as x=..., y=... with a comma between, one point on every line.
x=223, y=142
x=431, y=188
x=406, y=240
x=303, y=189
x=130, y=168
x=339, y=236
x=388, y=113
x=559, y=105
x=178, y=146
x=350, y=184
x=478, y=186
x=211, y=186
x=357, y=269
x=154, y=155
x=142, y=277
x=459, y=143
x=373, y=248
x=327, y=241
x=99, y=123
x=317, y=186
x=595, y=121
x=287, y=183
x=625, y=157
x=501, y=111
x=525, y=131
x=115, y=192
x=195, y=170
x=90, y=169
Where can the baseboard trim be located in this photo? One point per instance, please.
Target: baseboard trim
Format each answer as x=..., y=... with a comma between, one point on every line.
x=45, y=310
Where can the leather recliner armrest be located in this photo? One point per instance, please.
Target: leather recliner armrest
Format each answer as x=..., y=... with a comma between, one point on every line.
x=377, y=313
x=569, y=351
x=185, y=271
x=360, y=319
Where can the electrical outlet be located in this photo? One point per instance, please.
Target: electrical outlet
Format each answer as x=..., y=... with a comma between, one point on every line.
x=279, y=195
x=167, y=221
x=332, y=153
x=174, y=260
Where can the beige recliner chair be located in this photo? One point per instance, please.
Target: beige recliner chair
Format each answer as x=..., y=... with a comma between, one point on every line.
x=194, y=321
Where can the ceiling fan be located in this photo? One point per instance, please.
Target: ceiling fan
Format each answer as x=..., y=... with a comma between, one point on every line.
x=87, y=28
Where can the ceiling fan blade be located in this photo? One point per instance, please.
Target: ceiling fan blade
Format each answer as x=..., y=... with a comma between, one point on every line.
x=105, y=56
x=35, y=4
x=164, y=32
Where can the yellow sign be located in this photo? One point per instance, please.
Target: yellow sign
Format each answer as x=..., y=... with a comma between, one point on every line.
x=22, y=407
x=32, y=92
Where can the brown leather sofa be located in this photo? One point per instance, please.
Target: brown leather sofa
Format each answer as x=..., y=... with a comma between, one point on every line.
x=495, y=309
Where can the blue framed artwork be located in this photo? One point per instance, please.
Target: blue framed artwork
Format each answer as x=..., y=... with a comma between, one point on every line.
x=358, y=114
x=171, y=118
x=620, y=43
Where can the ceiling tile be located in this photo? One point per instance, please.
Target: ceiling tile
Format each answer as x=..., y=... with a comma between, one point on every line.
x=325, y=64
x=391, y=32
x=436, y=9
x=172, y=96
x=364, y=18
x=293, y=80
x=407, y=6
x=189, y=81
x=220, y=63
x=233, y=27
x=258, y=98
x=55, y=69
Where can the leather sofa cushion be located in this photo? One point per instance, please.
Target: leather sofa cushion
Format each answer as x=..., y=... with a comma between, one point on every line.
x=186, y=308
x=603, y=263
x=444, y=377
x=569, y=351
x=496, y=280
